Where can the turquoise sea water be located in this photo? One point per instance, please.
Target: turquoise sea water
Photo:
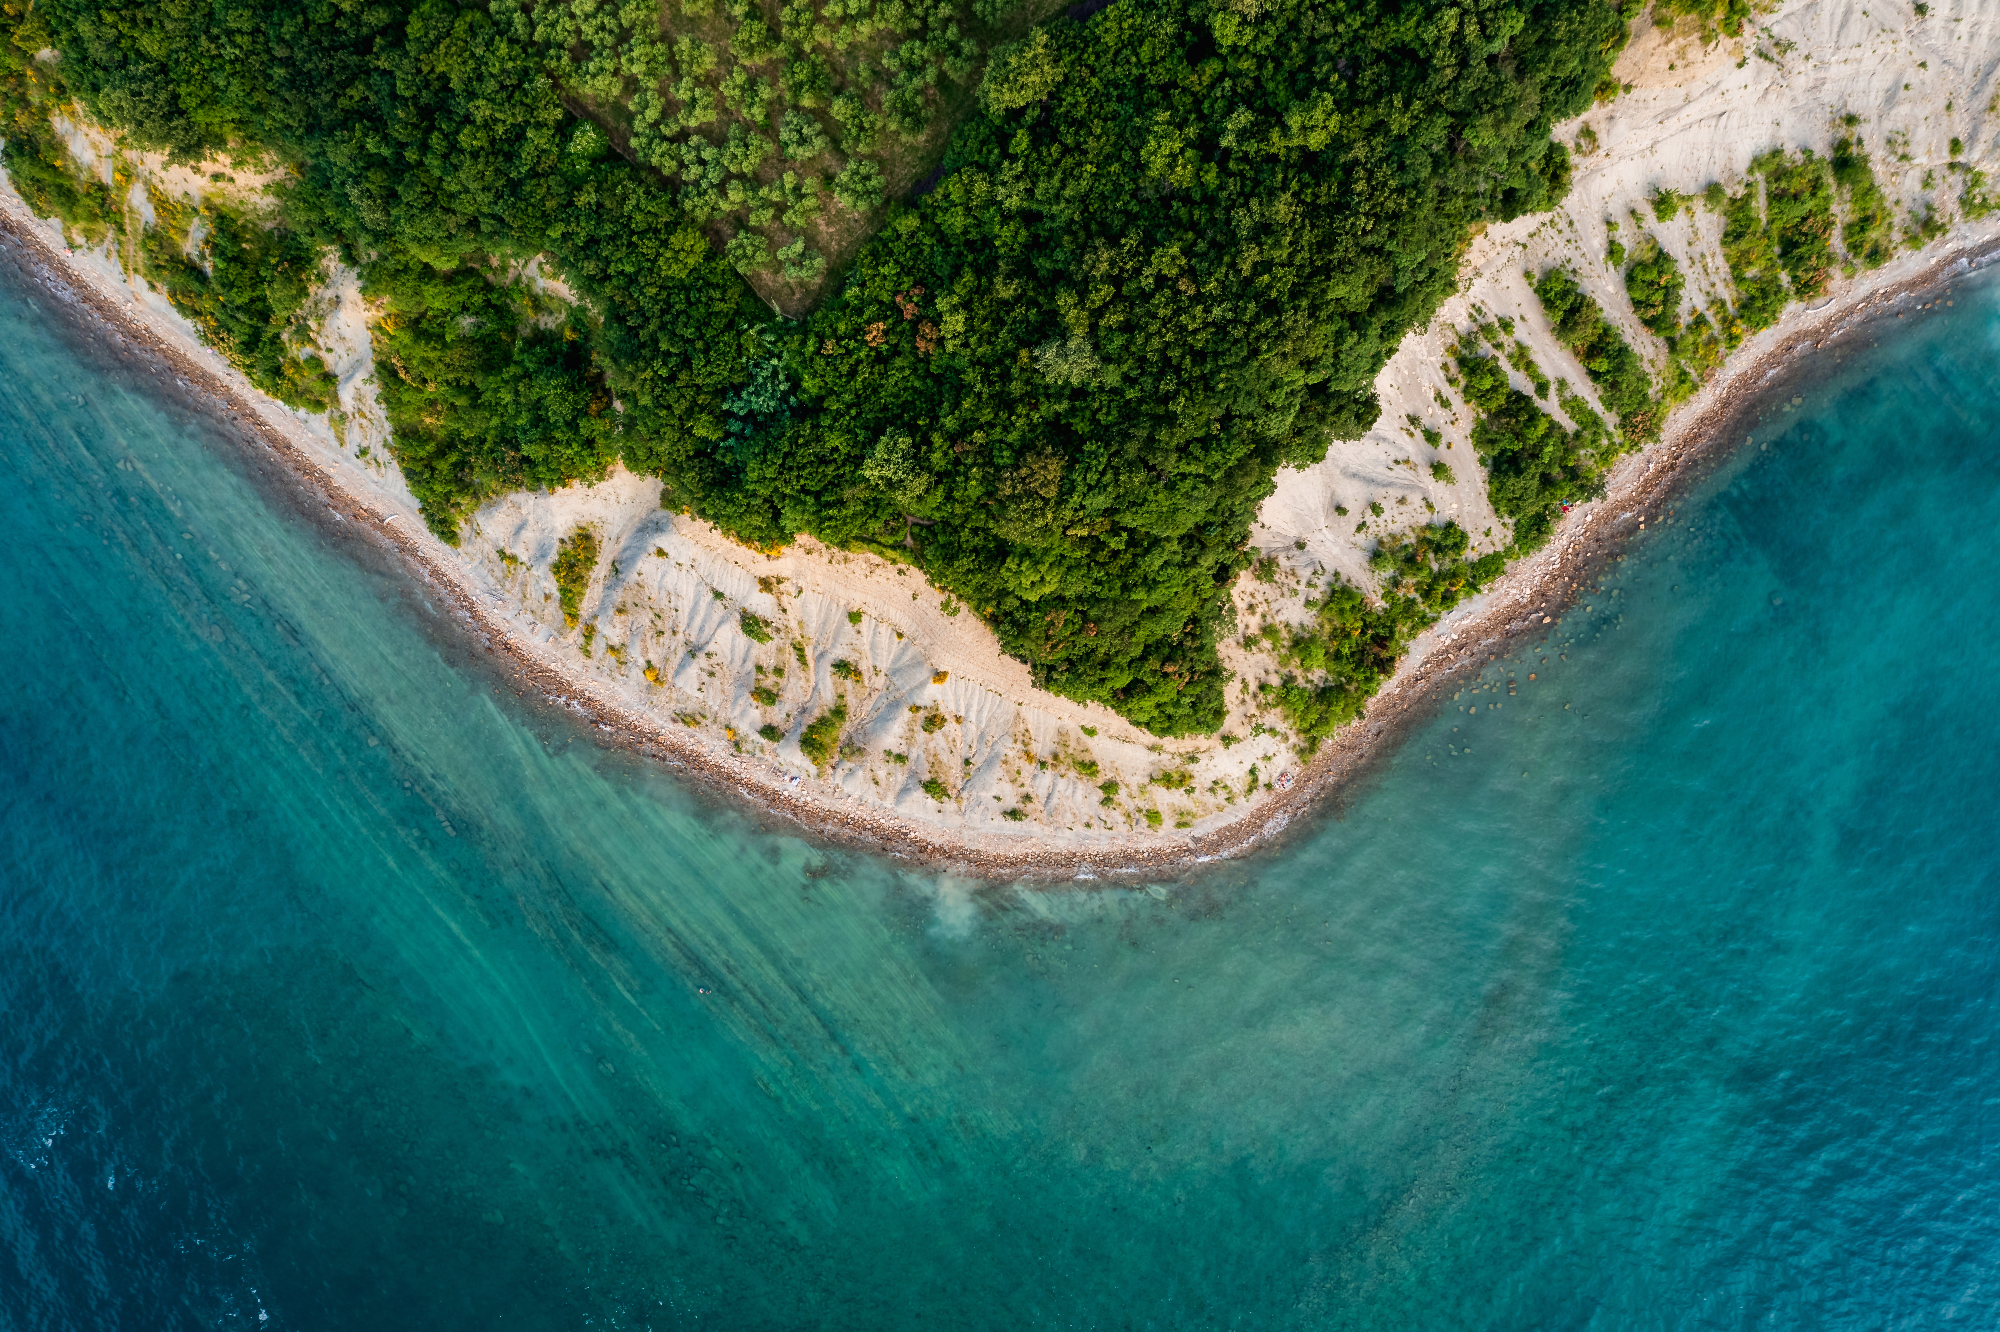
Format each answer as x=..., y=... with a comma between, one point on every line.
x=340, y=988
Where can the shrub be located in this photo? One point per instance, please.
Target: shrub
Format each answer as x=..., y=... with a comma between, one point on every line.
x=1353, y=646
x=770, y=732
x=1798, y=205
x=1868, y=229
x=1974, y=201
x=1654, y=283
x=821, y=738
x=936, y=789
x=576, y=560
x=1708, y=15
x=1753, y=266
x=755, y=627
x=1620, y=376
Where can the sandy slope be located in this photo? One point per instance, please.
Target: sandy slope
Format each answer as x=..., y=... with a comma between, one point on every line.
x=928, y=694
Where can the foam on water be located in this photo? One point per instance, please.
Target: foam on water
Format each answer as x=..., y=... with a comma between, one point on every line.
x=344, y=989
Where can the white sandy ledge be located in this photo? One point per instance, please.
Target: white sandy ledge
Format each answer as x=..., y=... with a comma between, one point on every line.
x=680, y=586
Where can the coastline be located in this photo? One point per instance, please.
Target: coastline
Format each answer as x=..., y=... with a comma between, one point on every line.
x=1529, y=601
x=1525, y=601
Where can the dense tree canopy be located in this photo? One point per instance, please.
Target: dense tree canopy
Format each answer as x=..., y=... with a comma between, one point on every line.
x=1171, y=246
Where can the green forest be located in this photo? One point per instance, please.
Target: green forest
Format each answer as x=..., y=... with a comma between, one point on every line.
x=1036, y=303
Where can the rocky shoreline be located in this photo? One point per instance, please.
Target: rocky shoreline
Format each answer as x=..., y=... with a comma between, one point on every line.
x=1527, y=601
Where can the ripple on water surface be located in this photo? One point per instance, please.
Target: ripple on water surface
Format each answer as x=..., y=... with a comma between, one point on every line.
x=346, y=990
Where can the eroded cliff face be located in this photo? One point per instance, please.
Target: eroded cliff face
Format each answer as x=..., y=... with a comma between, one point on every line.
x=852, y=677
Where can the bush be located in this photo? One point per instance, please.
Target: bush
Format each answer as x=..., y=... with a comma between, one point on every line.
x=1352, y=647
x=53, y=185
x=1620, y=376
x=1708, y=15
x=821, y=738
x=1654, y=283
x=1798, y=206
x=754, y=627
x=1868, y=233
x=936, y=789
x=576, y=560
x=1753, y=266
x=243, y=296
x=770, y=732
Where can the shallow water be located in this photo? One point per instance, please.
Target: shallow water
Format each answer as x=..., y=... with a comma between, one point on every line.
x=342, y=988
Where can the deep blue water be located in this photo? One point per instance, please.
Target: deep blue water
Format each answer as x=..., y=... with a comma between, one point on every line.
x=342, y=989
